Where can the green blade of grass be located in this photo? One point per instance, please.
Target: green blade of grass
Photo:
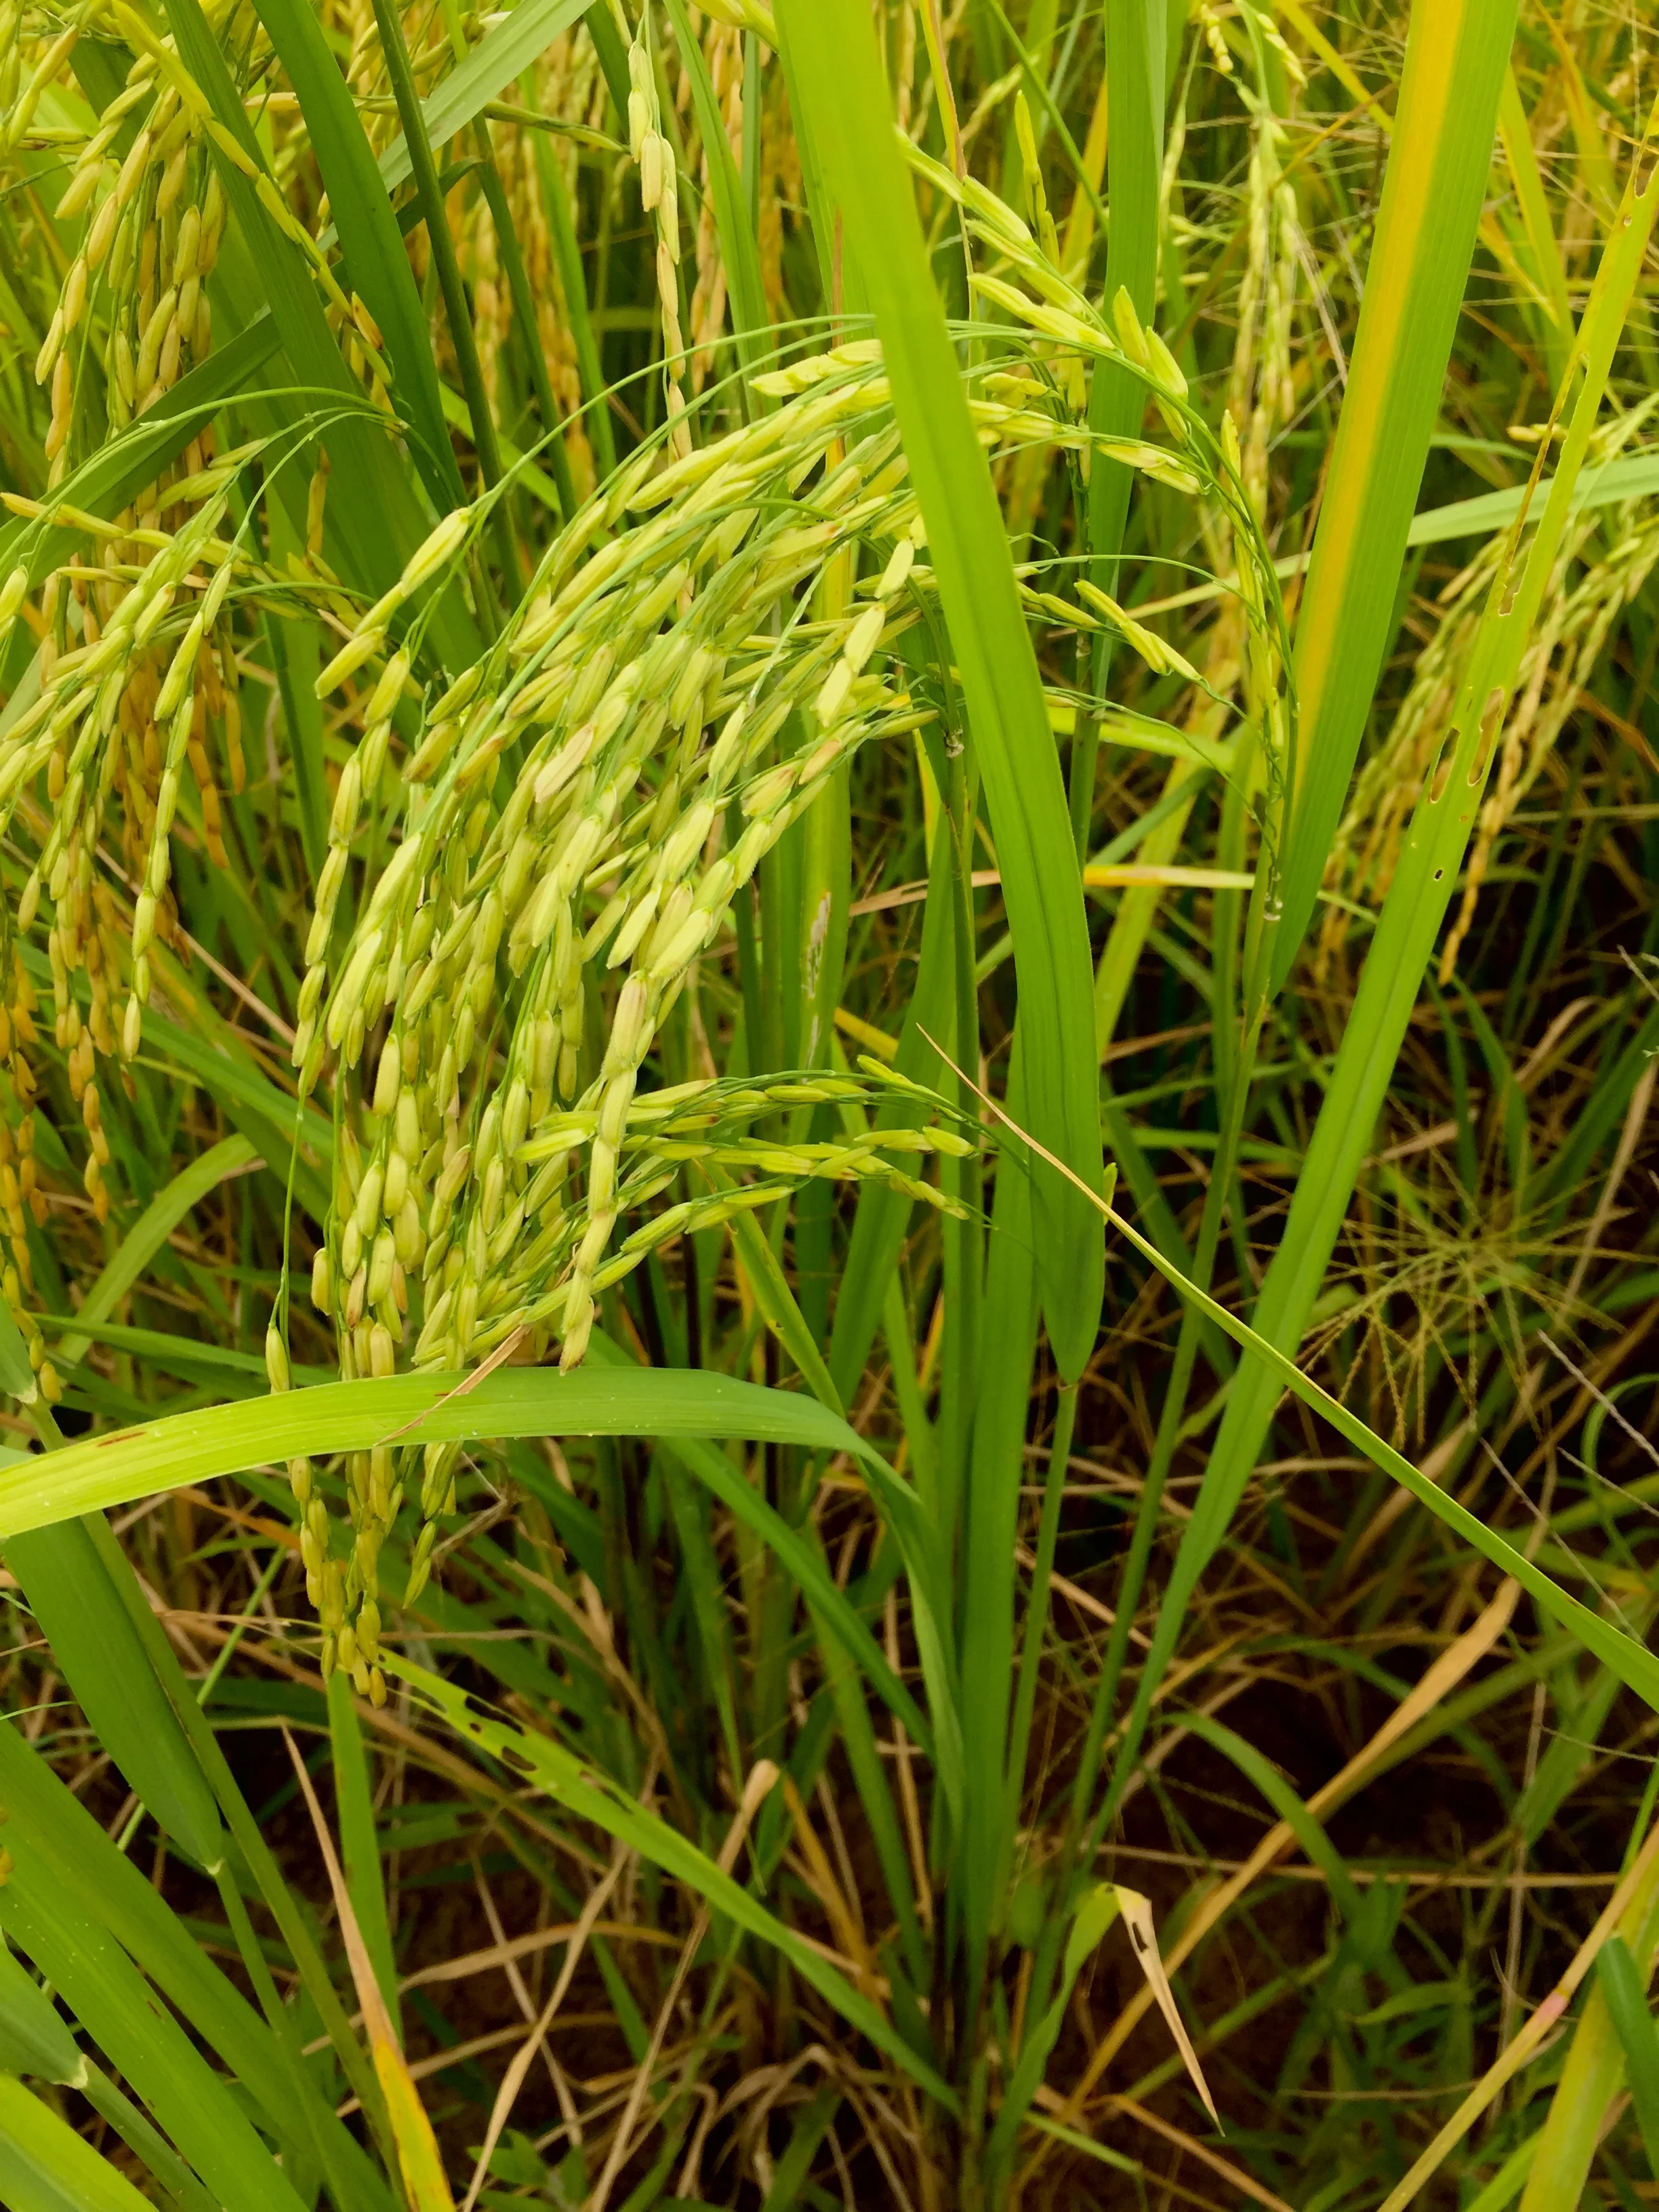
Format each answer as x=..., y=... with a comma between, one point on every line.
x=68, y=1589
x=50, y=1909
x=1126, y=941
x=527, y=476
x=373, y=512
x=897, y=1502
x=79, y=1867
x=524, y=309
x=505, y=52
x=1542, y=257
x=806, y=1567
x=429, y=1408
x=812, y=2125
x=1633, y=475
x=1096, y=1910
x=962, y=1274
x=711, y=1626
x=1589, y=2081
x=1037, y=1623
x=188, y=1357
x=105, y=1665
x=667, y=1404
x=1603, y=1114
x=360, y=1851
x=34, y=2038
x=119, y=1660
x=572, y=282
x=44, y=2167
x=1438, y=164
x=375, y=256
x=818, y=188
x=440, y=244
x=1564, y=2149
x=114, y=2107
x=586, y=1795
x=991, y=1522
x=857, y=1742
x=839, y=75
x=605, y=23
x=777, y=1301
x=900, y=1506
x=848, y=1650
x=1510, y=2179
x=147, y=1234
x=738, y=250
x=1135, y=76
x=100, y=67
x=883, y=1214
x=1626, y=1996
x=801, y=1558
x=1260, y=1770
x=99, y=1606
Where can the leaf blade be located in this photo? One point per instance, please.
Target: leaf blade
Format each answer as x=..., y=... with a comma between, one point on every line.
x=499, y=56
x=1456, y=56
x=180, y=1449
x=46, y=2167
x=368, y=231
x=841, y=81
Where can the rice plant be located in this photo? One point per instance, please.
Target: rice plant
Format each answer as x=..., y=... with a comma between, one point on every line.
x=828, y=1000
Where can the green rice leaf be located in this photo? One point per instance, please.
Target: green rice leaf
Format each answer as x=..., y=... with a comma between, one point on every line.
x=372, y=513
x=146, y=1237
x=839, y=75
x=1135, y=77
x=1632, y=477
x=98, y=1649
x=1627, y=1998
x=376, y=255
x=360, y=1851
x=502, y=54
x=95, y=1928
x=33, y=2037
x=178, y=1449
x=1096, y=1910
x=738, y=250
x=1263, y=1775
x=805, y=1566
x=1456, y=56
x=990, y=1536
x=44, y=2167
x=46, y=1911
x=777, y=1301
